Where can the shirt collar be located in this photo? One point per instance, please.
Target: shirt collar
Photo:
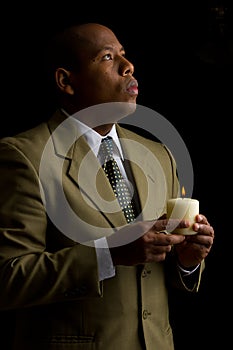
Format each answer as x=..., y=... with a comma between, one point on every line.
x=94, y=139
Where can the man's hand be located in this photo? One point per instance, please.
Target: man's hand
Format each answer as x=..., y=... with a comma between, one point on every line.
x=195, y=248
x=143, y=242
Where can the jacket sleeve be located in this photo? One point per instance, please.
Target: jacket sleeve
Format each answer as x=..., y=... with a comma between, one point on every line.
x=30, y=273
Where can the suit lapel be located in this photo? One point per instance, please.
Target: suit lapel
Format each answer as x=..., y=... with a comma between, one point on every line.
x=86, y=172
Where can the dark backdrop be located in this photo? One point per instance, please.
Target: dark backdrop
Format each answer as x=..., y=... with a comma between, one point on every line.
x=183, y=56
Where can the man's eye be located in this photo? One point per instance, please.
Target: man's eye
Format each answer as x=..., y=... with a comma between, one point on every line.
x=107, y=57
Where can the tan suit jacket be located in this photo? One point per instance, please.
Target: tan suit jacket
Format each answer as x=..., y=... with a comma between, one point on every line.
x=49, y=217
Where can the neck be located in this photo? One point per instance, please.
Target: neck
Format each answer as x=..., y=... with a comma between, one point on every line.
x=103, y=129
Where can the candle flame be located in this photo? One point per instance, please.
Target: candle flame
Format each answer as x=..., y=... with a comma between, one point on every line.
x=183, y=191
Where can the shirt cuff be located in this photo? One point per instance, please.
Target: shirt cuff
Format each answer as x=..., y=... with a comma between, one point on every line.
x=188, y=272
x=105, y=265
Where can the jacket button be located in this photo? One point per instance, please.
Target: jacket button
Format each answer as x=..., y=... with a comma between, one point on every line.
x=144, y=273
x=145, y=314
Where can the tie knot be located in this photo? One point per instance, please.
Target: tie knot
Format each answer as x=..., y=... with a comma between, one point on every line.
x=106, y=148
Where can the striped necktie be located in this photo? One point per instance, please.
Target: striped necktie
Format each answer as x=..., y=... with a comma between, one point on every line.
x=116, y=180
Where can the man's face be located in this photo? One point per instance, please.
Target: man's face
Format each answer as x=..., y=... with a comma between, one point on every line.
x=105, y=75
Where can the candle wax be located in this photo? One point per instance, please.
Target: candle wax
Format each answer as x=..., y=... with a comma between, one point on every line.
x=183, y=208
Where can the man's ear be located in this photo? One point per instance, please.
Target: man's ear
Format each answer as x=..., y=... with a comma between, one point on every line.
x=63, y=81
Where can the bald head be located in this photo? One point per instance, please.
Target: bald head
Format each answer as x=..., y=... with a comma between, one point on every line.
x=67, y=46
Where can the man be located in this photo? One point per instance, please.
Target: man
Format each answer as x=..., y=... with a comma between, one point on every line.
x=75, y=270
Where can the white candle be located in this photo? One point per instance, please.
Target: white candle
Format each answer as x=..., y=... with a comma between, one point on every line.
x=183, y=208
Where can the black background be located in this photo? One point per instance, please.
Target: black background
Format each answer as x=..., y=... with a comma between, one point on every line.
x=183, y=57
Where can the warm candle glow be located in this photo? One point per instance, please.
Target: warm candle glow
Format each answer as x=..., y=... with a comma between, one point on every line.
x=183, y=191
x=183, y=208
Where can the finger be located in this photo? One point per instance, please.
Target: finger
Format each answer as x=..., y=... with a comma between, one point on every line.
x=167, y=226
x=200, y=218
x=204, y=229
x=160, y=249
x=201, y=240
x=160, y=225
x=171, y=239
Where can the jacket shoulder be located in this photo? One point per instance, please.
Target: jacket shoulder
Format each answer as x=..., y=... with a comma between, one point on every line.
x=151, y=142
